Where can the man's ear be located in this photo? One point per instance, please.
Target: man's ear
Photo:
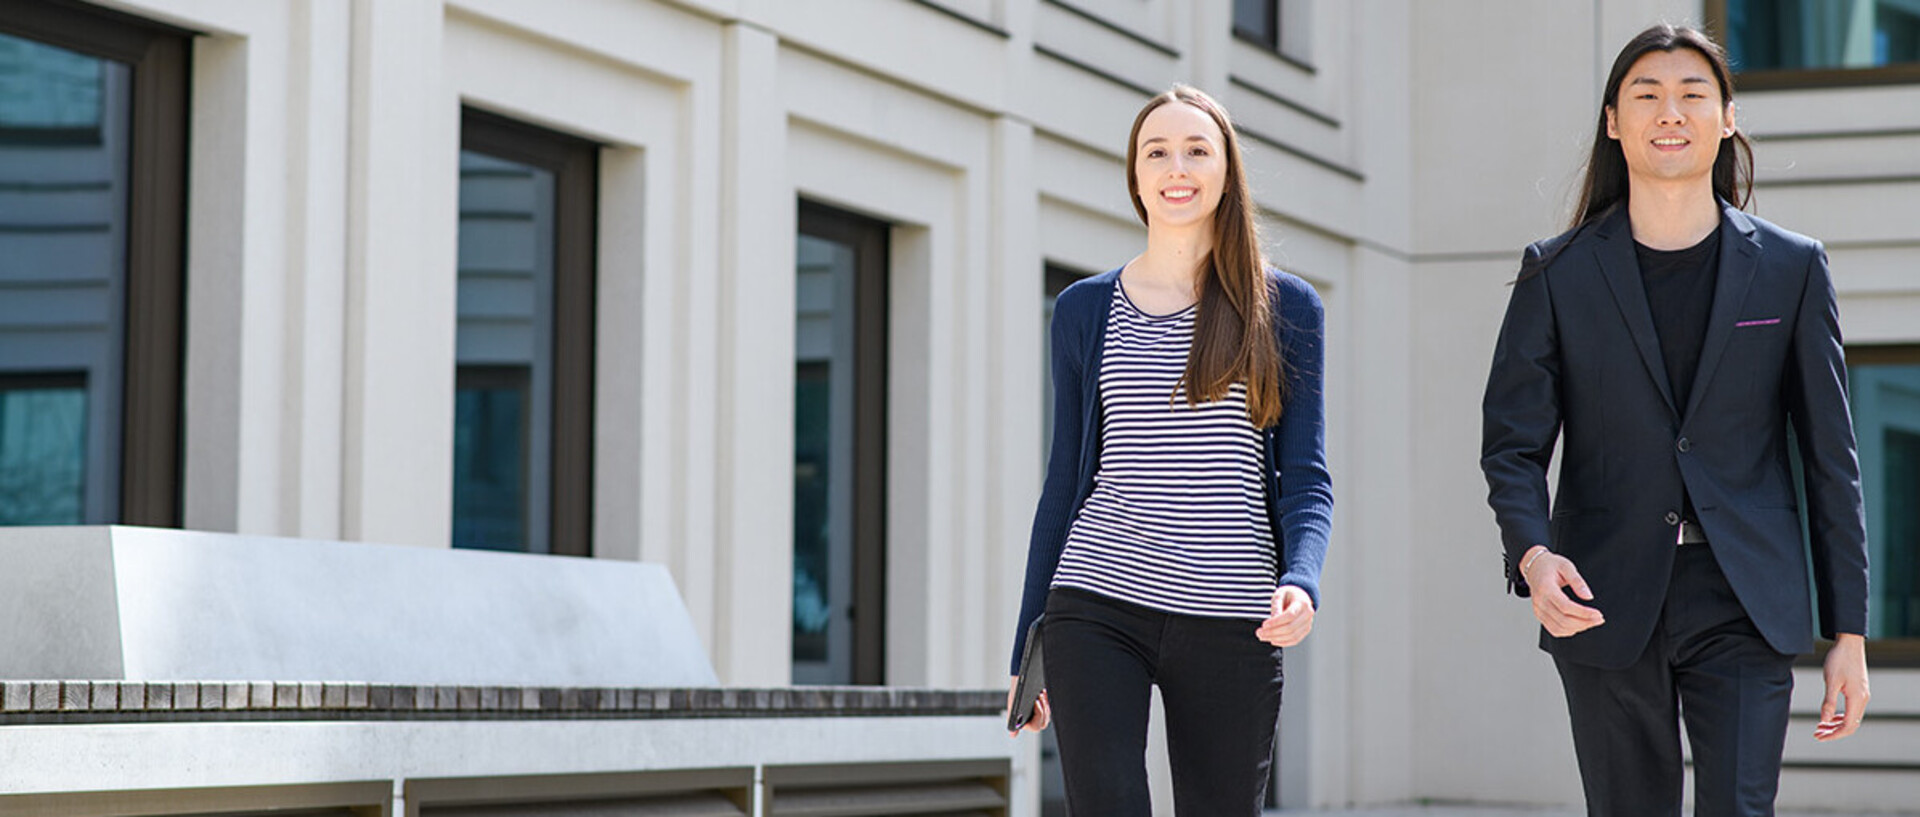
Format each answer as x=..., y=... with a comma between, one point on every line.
x=1613, y=127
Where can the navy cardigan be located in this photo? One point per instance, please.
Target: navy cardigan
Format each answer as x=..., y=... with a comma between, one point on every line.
x=1299, y=488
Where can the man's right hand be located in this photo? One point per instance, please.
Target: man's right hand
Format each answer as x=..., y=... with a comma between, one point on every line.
x=1546, y=573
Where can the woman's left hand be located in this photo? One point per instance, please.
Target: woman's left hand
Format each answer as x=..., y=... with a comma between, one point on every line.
x=1292, y=617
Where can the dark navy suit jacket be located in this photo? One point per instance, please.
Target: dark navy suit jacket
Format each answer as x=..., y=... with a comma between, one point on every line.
x=1578, y=360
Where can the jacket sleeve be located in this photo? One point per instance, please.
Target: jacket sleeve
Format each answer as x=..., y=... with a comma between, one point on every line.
x=1823, y=423
x=1305, y=501
x=1057, y=493
x=1520, y=417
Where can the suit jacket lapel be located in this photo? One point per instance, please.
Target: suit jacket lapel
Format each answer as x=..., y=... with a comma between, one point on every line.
x=1622, y=271
x=1739, y=258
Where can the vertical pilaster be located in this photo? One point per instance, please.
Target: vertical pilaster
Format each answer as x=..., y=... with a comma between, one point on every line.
x=752, y=641
x=403, y=184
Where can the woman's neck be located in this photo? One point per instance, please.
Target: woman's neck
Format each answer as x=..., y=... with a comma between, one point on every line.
x=1165, y=278
x=1173, y=256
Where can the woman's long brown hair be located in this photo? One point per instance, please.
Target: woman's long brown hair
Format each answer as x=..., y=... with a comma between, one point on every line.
x=1233, y=338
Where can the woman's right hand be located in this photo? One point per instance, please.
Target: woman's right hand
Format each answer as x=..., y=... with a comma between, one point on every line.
x=1042, y=715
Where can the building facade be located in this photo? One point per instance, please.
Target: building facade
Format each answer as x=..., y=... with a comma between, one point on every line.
x=756, y=290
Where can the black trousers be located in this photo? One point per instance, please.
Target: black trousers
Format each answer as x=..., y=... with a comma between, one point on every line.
x=1220, y=686
x=1706, y=663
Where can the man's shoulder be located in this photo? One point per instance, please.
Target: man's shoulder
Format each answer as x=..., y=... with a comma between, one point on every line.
x=1772, y=237
x=1547, y=254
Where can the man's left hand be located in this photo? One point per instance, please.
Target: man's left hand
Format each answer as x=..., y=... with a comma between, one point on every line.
x=1846, y=672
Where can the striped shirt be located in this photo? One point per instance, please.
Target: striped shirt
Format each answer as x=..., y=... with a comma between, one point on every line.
x=1177, y=520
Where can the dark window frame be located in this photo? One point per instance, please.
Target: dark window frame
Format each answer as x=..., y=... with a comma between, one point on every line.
x=575, y=165
x=1715, y=14
x=160, y=58
x=870, y=239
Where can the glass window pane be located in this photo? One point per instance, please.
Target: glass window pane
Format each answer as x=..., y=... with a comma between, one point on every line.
x=823, y=462
x=1765, y=35
x=503, y=404
x=64, y=136
x=1886, y=404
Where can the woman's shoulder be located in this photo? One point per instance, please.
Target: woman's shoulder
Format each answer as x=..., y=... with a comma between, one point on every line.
x=1088, y=294
x=1296, y=296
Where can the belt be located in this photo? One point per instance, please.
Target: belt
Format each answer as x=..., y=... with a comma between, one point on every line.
x=1690, y=533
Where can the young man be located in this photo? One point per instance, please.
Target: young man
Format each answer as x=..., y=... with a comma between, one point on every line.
x=1671, y=340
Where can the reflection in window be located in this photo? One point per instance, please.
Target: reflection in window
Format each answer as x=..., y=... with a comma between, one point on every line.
x=823, y=461
x=1767, y=35
x=489, y=457
x=504, y=355
x=1886, y=405
x=43, y=445
x=63, y=258
x=49, y=95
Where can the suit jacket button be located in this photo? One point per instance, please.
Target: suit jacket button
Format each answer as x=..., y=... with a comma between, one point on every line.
x=1685, y=445
x=1673, y=518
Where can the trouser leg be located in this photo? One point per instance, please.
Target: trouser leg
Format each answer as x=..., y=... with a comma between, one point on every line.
x=1734, y=690
x=1099, y=681
x=1626, y=735
x=1220, y=686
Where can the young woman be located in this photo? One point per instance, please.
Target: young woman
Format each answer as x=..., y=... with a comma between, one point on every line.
x=1186, y=508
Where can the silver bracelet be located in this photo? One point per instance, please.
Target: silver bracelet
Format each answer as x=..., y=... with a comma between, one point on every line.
x=1531, y=559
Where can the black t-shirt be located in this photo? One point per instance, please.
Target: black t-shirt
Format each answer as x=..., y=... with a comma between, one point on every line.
x=1679, y=286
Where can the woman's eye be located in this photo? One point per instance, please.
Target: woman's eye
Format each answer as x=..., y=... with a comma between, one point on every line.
x=1197, y=152
x=1156, y=153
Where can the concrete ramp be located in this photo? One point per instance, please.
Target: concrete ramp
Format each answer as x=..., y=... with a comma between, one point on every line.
x=149, y=604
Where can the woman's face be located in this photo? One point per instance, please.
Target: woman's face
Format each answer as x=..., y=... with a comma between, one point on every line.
x=1179, y=166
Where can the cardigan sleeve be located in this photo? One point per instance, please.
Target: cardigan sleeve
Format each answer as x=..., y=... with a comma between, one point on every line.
x=1057, y=494
x=1305, y=501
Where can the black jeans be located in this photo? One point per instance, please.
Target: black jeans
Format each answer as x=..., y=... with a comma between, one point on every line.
x=1219, y=683
x=1706, y=662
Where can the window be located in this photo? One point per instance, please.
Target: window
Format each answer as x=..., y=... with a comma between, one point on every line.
x=92, y=252
x=1799, y=43
x=1276, y=26
x=1885, y=388
x=523, y=383
x=840, y=443
x=1058, y=278
x=1257, y=21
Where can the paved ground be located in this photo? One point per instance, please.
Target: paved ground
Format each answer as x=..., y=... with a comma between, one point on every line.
x=1499, y=811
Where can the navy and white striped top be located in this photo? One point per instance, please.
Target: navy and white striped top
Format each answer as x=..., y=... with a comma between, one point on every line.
x=1177, y=520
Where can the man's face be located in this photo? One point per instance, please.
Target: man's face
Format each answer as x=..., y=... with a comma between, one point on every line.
x=1669, y=118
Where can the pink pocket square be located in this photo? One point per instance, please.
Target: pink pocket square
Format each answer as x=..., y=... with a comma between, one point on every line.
x=1758, y=322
